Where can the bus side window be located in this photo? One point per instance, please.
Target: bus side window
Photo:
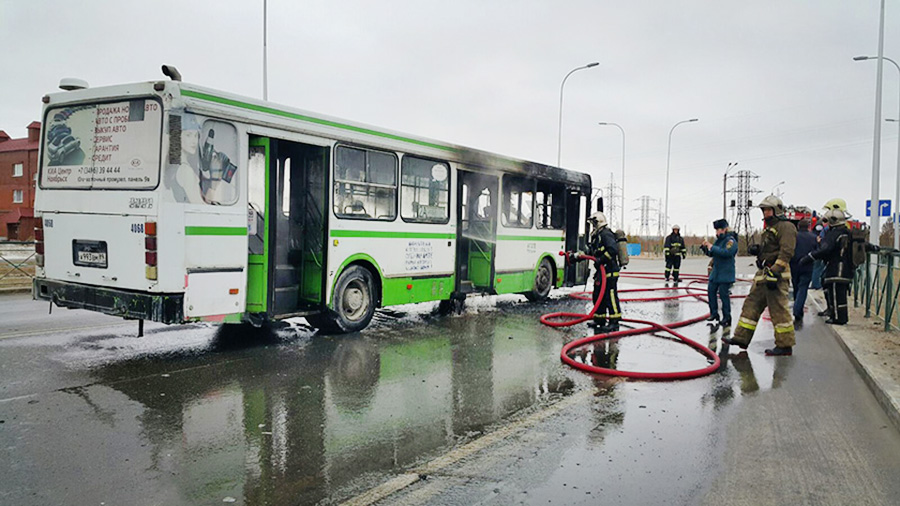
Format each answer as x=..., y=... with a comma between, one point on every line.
x=551, y=207
x=256, y=225
x=218, y=167
x=425, y=190
x=365, y=184
x=517, y=202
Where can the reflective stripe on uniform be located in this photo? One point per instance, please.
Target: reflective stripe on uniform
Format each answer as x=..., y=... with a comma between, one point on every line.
x=781, y=328
x=747, y=323
x=612, y=300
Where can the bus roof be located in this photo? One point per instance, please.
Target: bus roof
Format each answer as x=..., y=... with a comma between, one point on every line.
x=315, y=123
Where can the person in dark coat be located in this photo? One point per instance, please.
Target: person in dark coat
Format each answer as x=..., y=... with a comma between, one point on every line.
x=721, y=274
x=835, y=251
x=674, y=251
x=801, y=275
x=818, y=265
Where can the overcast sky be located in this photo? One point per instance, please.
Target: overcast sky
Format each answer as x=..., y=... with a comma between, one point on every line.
x=772, y=81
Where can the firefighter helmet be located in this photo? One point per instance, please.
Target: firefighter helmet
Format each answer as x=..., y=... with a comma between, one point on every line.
x=599, y=219
x=836, y=217
x=676, y=227
x=839, y=204
x=773, y=203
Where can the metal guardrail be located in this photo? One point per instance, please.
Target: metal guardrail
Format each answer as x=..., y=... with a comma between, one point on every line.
x=16, y=264
x=876, y=285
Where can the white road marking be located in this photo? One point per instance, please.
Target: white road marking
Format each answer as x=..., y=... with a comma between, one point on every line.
x=402, y=481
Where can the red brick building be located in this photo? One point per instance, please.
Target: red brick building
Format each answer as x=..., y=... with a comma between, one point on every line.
x=18, y=175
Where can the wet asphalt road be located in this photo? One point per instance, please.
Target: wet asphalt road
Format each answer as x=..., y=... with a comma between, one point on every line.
x=421, y=409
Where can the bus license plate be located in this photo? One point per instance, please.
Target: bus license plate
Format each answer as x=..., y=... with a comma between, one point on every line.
x=89, y=253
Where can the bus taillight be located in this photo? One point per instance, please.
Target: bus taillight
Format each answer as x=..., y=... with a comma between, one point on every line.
x=39, y=242
x=150, y=250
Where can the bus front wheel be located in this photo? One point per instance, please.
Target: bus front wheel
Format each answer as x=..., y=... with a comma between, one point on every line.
x=543, y=281
x=354, y=302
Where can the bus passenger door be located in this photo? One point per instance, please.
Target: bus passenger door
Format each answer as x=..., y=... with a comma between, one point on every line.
x=287, y=245
x=298, y=215
x=576, y=207
x=477, y=200
x=258, y=226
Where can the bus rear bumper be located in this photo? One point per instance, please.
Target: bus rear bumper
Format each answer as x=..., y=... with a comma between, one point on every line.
x=162, y=308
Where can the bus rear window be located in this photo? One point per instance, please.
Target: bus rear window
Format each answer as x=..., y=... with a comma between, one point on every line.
x=109, y=146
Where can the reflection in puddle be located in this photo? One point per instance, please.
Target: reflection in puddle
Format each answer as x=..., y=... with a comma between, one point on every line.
x=305, y=419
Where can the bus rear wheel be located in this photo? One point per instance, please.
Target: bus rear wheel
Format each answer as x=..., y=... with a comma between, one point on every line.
x=354, y=303
x=543, y=281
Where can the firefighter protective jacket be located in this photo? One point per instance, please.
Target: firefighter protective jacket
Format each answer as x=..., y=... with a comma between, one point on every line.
x=835, y=251
x=605, y=249
x=674, y=246
x=778, y=242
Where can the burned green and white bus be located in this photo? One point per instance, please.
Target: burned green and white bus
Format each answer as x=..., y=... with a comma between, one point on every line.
x=170, y=202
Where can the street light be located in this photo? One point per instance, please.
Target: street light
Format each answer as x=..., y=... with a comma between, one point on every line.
x=604, y=123
x=668, y=157
x=559, y=129
x=731, y=165
x=897, y=193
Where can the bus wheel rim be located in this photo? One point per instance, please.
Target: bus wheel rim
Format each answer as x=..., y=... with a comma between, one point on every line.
x=355, y=300
x=543, y=281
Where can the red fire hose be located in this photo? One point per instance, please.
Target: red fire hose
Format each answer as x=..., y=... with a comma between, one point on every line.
x=552, y=320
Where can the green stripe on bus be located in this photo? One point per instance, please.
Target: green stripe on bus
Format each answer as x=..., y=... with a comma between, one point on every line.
x=391, y=235
x=310, y=119
x=527, y=238
x=215, y=230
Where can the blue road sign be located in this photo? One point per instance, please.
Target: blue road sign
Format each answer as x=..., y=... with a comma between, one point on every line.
x=884, y=206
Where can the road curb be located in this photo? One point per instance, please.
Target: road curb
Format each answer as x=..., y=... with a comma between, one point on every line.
x=886, y=391
x=17, y=289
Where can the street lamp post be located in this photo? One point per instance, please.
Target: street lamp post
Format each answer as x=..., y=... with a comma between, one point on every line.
x=559, y=128
x=623, y=166
x=265, y=54
x=731, y=165
x=668, y=158
x=896, y=214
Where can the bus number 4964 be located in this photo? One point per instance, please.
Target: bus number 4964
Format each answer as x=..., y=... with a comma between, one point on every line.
x=137, y=228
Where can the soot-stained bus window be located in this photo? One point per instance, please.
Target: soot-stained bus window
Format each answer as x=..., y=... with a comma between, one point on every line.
x=425, y=190
x=365, y=184
x=518, y=202
x=551, y=205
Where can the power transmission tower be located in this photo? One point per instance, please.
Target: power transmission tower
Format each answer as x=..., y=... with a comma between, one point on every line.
x=743, y=201
x=611, y=199
x=647, y=211
x=660, y=223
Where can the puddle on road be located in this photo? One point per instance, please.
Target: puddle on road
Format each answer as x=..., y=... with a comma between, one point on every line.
x=302, y=419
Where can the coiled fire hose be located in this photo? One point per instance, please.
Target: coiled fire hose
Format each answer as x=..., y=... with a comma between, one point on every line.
x=566, y=319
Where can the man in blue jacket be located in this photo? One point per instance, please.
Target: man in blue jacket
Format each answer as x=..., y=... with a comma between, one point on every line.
x=721, y=271
x=801, y=275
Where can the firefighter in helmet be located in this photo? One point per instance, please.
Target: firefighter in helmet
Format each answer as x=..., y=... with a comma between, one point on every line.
x=836, y=203
x=674, y=251
x=603, y=247
x=835, y=251
x=771, y=282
